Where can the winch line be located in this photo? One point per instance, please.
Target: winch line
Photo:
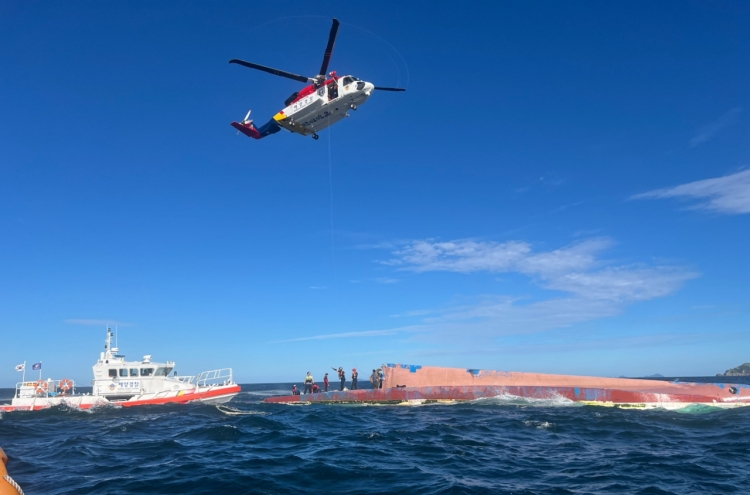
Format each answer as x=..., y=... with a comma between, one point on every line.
x=330, y=184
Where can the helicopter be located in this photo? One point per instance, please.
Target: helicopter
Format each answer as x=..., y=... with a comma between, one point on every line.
x=316, y=106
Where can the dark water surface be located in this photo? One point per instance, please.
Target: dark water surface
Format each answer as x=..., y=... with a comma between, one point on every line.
x=500, y=446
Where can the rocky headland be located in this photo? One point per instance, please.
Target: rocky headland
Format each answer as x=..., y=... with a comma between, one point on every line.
x=741, y=370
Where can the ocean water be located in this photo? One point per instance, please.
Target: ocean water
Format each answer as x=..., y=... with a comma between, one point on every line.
x=504, y=445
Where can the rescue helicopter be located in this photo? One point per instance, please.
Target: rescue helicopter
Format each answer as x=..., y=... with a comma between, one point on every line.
x=316, y=106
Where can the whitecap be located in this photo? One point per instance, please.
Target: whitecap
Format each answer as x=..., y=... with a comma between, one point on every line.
x=233, y=411
x=515, y=400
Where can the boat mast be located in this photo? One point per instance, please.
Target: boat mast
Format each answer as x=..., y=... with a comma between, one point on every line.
x=108, y=344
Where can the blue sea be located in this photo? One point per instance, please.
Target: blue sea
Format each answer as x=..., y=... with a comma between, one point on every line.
x=504, y=445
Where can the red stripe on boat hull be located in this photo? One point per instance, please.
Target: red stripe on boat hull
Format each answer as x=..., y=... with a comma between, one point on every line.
x=179, y=399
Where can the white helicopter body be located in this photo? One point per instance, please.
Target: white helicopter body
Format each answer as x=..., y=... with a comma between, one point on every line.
x=318, y=105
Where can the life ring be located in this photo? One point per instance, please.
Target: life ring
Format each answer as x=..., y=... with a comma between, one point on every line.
x=66, y=384
x=7, y=485
x=41, y=386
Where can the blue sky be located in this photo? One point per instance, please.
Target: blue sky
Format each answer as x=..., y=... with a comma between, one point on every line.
x=563, y=188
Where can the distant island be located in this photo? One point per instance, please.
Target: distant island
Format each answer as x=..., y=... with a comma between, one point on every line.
x=741, y=370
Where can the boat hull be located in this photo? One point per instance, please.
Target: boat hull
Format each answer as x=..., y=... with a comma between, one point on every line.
x=211, y=395
x=405, y=384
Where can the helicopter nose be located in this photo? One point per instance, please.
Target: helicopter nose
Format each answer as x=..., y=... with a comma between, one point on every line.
x=369, y=87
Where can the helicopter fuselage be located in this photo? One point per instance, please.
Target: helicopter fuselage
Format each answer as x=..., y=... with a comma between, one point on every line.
x=316, y=108
x=318, y=105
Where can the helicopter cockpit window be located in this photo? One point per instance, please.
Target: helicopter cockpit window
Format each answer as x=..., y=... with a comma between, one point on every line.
x=289, y=100
x=348, y=80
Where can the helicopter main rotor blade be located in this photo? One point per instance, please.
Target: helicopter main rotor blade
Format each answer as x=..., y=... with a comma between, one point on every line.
x=329, y=48
x=270, y=70
x=381, y=88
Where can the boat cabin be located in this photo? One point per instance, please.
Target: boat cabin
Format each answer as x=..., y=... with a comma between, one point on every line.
x=118, y=379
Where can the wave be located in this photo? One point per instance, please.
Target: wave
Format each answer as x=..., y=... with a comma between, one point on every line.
x=502, y=444
x=515, y=400
x=233, y=411
x=700, y=409
x=265, y=393
x=541, y=425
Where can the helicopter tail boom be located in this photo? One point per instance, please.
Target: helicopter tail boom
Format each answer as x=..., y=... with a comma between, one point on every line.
x=249, y=129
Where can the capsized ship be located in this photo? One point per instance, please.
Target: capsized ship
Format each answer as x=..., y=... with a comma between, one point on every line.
x=126, y=383
x=414, y=384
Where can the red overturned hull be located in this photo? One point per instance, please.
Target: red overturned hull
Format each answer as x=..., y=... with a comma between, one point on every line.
x=416, y=384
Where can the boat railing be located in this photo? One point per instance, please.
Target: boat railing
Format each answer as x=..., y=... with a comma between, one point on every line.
x=45, y=388
x=215, y=377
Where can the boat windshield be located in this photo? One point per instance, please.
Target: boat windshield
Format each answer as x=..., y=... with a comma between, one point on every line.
x=163, y=371
x=147, y=371
x=133, y=371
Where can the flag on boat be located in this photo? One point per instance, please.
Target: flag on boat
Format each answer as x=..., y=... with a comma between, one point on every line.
x=36, y=366
x=20, y=367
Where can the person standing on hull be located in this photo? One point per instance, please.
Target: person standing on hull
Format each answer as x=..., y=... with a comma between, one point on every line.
x=342, y=376
x=374, y=379
x=354, y=378
x=308, y=383
x=380, y=378
x=325, y=383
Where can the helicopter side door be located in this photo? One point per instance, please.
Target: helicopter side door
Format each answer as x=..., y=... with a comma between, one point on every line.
x=333, y=90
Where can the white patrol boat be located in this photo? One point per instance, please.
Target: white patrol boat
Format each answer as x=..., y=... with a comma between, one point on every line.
x=126, y=383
